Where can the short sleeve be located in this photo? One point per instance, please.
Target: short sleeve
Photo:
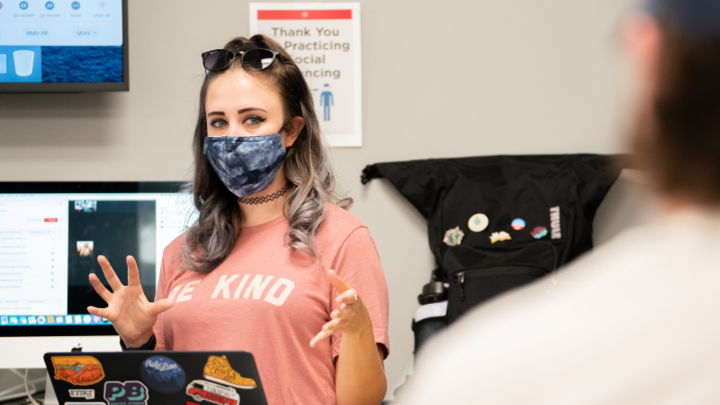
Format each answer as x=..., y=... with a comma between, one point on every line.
x=160, y=293
x=358, y=263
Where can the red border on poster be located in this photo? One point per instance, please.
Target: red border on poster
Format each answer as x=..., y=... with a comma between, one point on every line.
x=304, y=15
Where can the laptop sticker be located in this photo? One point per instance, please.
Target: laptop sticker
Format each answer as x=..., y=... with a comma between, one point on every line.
x=218, y=369
x=84, y=403
x=87, y=394
x=201, y=390
x=163, y=374
x=78, y=370
x=126, y=393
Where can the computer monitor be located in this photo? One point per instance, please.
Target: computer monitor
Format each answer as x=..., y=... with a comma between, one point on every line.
x=50, y=237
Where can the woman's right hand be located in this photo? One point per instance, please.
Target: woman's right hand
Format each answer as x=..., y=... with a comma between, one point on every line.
x=130, y=312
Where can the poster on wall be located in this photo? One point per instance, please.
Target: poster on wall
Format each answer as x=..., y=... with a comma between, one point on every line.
x=324, y=41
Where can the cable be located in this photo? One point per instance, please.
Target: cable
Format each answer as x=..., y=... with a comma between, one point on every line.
x=27, y=388
x=7, y=395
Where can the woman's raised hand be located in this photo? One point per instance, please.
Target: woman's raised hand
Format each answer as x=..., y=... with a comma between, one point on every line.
x=130, y=312
x=351, y=318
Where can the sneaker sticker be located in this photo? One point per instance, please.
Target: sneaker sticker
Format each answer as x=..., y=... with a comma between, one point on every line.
x=163, y=374
x=499, y=237
x=218, y=369
x=126, y=393
x=87, y=394
x=453, y=237
x=201, y=390
x=78, y=370
x=478, y=222
x=539, y=232
x=518, y=224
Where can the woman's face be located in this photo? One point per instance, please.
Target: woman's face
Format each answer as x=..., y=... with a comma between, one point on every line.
x=238, y=104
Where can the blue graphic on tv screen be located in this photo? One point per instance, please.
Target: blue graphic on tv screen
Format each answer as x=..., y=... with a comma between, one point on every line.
x=72, y=64
x=49, y=5
x=20, y=64
x=163, y=374
x=76, y=5
x=24, y=5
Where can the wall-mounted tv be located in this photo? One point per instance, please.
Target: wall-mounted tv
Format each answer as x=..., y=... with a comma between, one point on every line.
x=63, y=46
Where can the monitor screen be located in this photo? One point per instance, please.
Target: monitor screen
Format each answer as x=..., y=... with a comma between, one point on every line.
x=63, y=45
x=50, y=241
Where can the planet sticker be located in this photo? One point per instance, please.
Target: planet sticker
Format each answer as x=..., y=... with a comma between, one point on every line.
x=162, y=374
x=518, y=224
x=478, y=222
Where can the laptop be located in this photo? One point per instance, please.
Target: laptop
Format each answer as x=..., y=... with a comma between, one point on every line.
x=155, y=378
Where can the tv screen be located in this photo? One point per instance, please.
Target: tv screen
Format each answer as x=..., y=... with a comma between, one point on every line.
x=63, y=45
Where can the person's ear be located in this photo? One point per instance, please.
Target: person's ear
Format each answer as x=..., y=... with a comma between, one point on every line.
x=294, y=127
x=643, y=40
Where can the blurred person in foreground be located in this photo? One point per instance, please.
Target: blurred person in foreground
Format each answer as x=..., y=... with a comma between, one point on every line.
x=638, y=320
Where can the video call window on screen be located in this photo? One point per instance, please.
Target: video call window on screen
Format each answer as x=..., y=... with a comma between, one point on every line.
x=85, y=206
x=85, y=248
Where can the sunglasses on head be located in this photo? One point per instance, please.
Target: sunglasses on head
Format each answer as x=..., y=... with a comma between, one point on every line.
x=256, y=59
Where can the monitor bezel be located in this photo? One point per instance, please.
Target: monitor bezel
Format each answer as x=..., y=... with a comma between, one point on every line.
x=77, y=187
x=81, y=87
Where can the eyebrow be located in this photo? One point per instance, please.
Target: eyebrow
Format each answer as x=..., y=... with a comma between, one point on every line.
x=244, y=110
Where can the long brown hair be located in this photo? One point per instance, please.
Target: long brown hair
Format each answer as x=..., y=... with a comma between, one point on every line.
x=679, y=143
x=307, y=166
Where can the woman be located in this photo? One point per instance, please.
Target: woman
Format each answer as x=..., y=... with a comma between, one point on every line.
x=256, y=272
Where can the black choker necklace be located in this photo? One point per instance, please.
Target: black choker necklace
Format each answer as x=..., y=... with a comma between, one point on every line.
x=266, y=198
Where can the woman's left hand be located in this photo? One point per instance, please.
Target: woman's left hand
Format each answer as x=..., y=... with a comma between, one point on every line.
x=351, y=318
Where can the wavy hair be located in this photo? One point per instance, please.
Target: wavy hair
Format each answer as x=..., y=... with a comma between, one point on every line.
x=307, y=167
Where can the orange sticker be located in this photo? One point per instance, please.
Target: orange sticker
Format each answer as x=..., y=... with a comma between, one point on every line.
x=78, y=370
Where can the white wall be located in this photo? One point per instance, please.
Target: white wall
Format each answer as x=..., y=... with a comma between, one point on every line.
x=440, y=79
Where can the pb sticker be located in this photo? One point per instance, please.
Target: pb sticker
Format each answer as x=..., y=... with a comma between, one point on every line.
x=78, y=370
x=126, y=393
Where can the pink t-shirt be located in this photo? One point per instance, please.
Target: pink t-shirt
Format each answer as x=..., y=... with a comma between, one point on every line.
x=271, y=301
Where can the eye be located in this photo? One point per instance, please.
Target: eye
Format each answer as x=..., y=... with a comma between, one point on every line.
x=218, y=123
x=254, y=120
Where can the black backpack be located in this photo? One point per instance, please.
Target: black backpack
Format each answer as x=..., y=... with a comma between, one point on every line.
x=500, y=222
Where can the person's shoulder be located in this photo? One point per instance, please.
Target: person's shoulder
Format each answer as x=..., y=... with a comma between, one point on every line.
x=171, y=253
x=338, y=221
x=336, y=228
x=176, y=245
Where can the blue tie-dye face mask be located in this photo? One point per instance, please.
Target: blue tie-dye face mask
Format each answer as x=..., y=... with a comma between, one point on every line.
x=246, y=165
